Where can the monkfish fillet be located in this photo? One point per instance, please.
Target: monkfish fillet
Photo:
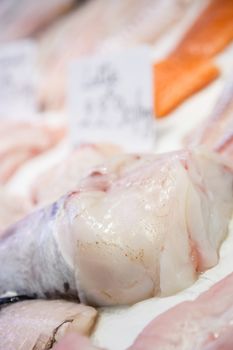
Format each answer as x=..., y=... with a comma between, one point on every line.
x=65, y=175
x=136, y=227
x=22, y=18
x=217, y=131
x=205, y=323
x=21, y=141
x=39, y=324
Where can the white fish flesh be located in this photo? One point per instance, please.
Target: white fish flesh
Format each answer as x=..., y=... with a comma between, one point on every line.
x=136, y=227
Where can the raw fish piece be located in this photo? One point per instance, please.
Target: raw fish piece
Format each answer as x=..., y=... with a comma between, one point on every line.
x=39, y=324
x=124, y=23
x=66, y=175
x=177, y=78
x=21, y=141
x=136, y=227
x=217, y=132
x=211, y=32
x=188, y=68
x=21, y=18
x=205, y=323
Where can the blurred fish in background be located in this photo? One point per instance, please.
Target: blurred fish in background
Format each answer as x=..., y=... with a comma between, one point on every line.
x=100, y=26
x=23, y=18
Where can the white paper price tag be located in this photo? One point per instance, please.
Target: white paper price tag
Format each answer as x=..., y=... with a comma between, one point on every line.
x=18, y=79
x=110, y=99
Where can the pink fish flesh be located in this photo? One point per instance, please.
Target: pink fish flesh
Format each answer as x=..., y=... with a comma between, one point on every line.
x=205, y=323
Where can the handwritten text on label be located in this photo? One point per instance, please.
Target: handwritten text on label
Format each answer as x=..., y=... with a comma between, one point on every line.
x=110, y=99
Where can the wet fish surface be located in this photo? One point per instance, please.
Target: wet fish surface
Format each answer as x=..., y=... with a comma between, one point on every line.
x=136, y=227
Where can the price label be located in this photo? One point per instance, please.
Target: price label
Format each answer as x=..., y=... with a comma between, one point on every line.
x=110, y=99
x=18, y=79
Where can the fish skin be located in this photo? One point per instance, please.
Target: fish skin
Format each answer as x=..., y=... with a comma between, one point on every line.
x=38, y=248
x=205, y=323
x=39, y=324
x=116, y=239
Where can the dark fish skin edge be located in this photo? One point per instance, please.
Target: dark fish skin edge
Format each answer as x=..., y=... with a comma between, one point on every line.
x=36, y=268
x=4, y=301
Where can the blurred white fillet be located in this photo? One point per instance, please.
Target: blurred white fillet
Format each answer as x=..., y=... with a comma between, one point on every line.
x=22, y=18
x=21, y=141
x=65, y=176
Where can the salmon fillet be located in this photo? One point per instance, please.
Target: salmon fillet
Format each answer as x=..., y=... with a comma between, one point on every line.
x=179, y=77
x=188, y=68
x=211, y=32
